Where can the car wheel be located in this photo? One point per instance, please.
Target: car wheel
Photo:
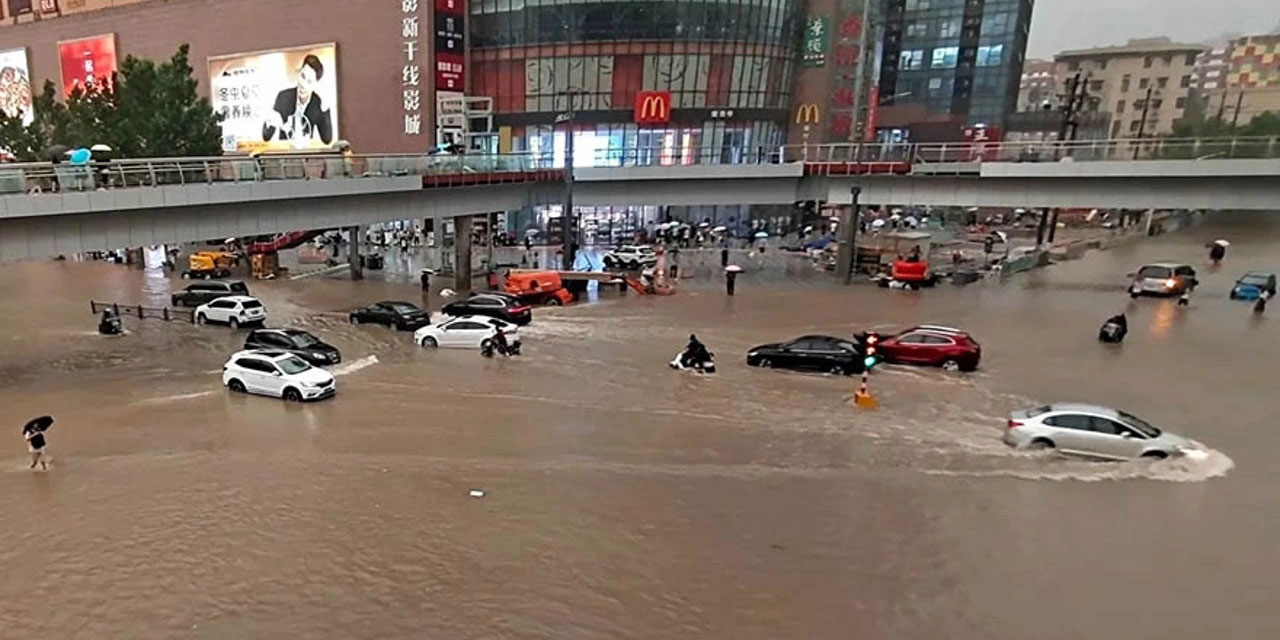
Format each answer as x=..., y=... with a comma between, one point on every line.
x=1040, y=444
x=354, y=319
x=553, y=302
x=633, y=265
x=201, y=319
x=765, y=363
x=950, y=365
x=608, y=263
x=837, y=370
x=235, y=324
x=487, y=343
x=429, y=343
x=235, y=386
x=1155, y=455
x=186, y=276
x=292, y=395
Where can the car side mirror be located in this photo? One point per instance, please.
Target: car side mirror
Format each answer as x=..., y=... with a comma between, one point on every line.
x=1126, y=434
x=275, y=373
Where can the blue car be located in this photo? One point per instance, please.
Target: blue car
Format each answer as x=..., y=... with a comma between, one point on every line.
x=1251, y=285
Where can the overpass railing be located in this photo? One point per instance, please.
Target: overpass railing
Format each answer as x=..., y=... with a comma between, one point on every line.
x=1128, y=149
x=40, y=177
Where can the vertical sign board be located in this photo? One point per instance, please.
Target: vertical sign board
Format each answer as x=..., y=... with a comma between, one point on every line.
x=15, y=84
x=411, y=79
x=815, y=42
x=450, y=44
x=86, y=61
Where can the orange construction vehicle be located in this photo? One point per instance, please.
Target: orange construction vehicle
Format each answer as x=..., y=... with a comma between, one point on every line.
x=538, y=287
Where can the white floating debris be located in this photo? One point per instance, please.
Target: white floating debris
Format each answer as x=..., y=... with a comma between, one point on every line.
x=476, y=493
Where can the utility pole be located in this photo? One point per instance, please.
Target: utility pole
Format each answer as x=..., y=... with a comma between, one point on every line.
x=1142, y=124
x=568, y=240
x=1071, y=108
x=1235, y=117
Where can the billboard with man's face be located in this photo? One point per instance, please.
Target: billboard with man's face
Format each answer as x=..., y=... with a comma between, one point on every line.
x=87, y=61
x=277, y=100
x=15, y=84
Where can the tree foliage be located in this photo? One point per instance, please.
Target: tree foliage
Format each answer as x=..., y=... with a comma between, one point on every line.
x=147, y=110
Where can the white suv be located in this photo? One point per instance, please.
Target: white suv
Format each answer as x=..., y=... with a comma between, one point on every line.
x=278, y=374
x=232, y=310
x=631, y=257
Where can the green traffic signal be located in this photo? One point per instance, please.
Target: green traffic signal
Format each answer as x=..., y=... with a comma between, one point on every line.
x=870, y=361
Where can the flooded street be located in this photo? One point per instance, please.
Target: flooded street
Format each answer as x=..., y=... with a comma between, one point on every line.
x=625, y=500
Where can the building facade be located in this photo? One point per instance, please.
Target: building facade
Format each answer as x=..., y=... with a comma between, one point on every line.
x=1037, y=86
x=368, y=75
x=955, y=62
x=1251, y=81
x=644, y=82
x=1145, y=84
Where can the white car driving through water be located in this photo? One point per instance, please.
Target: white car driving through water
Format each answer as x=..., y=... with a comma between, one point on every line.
x=465, y=332
x=1094, y=431
x=278, y=374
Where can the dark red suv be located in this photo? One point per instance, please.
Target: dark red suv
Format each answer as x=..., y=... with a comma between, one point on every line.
x=933, y=346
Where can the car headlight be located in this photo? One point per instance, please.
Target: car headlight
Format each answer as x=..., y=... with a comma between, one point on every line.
x=752, y=354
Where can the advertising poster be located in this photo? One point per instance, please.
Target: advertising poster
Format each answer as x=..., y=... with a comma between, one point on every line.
x=450, y=18
x=15, y=84
x=86, y=61
x=277, y=100
x=815, y=42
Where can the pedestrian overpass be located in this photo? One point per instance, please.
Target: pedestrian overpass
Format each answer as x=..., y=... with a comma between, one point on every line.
x=49, y=209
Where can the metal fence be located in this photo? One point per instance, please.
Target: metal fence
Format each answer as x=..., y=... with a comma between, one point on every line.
x=142, y=313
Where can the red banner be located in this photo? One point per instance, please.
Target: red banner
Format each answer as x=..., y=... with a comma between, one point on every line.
x=873, y=112
x=87, y=61
x=653, y=107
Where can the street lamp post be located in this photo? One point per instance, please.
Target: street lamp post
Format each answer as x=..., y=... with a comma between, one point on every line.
x=1142, y=124
x=568, y=219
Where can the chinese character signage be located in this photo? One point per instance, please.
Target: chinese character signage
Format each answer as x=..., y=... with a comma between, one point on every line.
x=653, y=107
x=412, y=81
x=450, y=44
x=87, y=61
x=815, y=42
x=15, y=84
x=19, y=7
x=276, y=100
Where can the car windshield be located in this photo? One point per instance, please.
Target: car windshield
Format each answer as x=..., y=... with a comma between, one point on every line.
x=402, y=308
x=1155, y=272
x=1255, y=279
x=1141, y=425
x=304, y=340
x=292, y=365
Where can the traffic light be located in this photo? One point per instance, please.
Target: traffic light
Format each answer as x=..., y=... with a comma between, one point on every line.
x=869, y=349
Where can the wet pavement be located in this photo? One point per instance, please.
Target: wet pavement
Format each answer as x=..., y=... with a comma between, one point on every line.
x=625, y=500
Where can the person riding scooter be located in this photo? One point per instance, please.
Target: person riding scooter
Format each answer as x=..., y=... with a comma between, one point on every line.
x=110, y=325
x=694, y=353
x=1114, y=329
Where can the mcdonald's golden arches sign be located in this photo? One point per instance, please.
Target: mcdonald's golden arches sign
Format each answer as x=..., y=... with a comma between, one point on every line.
x=653, y=107
x=808, y=113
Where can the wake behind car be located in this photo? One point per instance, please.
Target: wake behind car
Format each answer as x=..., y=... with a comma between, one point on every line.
x=198, y=293
x=933, y=346
x=295, y=341
x=632, y=257
x=465, y=332
x=277, y=374
x=404, y=316
x=1163, y=279
x=808, y=353
x=1254, y=284
x=232, y=310
x=494, y=304
x=1093, y=431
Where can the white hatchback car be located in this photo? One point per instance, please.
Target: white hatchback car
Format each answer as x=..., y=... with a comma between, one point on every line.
x=632, y=257
x=465, y=332
x=278, y=374
x=232, y=310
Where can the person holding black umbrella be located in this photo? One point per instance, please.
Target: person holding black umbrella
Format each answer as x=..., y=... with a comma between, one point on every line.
x=33, y=433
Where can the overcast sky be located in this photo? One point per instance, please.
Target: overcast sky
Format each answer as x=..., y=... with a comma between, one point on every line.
x=1077, y=24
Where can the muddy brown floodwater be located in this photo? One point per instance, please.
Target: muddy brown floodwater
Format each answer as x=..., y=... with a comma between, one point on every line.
x=625, y=500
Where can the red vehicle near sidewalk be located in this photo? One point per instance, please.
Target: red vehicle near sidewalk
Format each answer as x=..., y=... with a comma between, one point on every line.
x=933, y=346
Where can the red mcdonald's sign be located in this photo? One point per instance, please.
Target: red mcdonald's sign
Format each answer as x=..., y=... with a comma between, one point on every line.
x=653, y=107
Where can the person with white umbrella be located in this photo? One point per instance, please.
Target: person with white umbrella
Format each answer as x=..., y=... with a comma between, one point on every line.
x=730, y=277
x=1218, y=251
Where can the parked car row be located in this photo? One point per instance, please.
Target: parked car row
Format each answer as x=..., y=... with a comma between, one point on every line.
x=926, y=345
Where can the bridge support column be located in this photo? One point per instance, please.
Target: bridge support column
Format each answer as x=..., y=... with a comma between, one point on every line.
x=847, y=250
x=355, y=235
x=462, y=253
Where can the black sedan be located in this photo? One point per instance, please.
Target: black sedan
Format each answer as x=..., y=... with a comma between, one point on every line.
x=808, y=353
x=494, y=305
x=404, y=316
x=295, y=341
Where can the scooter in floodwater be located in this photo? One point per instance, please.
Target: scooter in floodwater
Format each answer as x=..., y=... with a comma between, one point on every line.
x=110, y=325
x=704, y=365
x=1114, y=329
x=489, y=347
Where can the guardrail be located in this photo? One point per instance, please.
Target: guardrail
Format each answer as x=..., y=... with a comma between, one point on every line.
x=140, y=312
x=41, y=177
x=470, y=169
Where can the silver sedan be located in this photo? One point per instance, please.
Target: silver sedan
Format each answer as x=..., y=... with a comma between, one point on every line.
x=1092, y=430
